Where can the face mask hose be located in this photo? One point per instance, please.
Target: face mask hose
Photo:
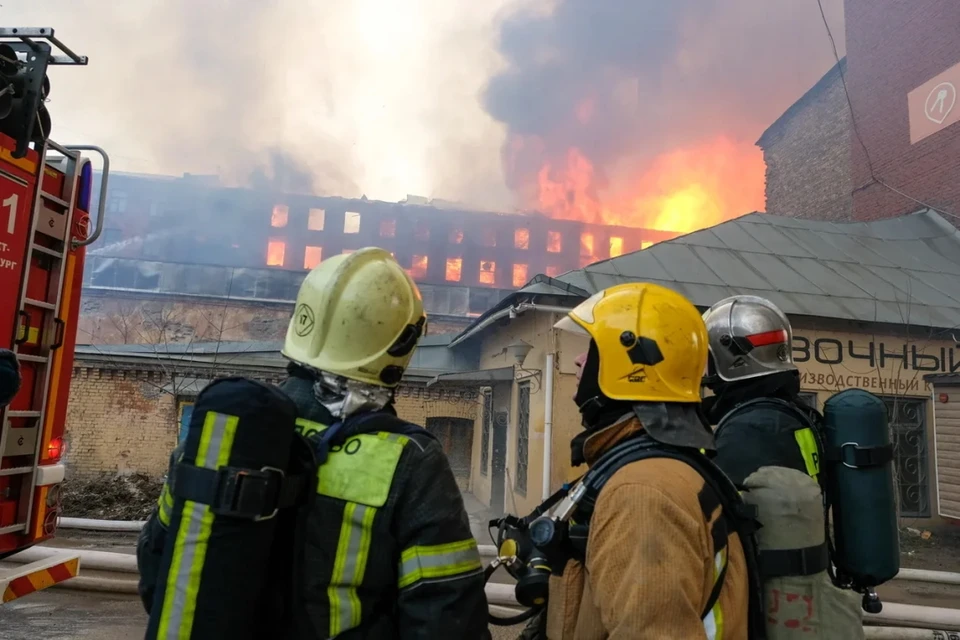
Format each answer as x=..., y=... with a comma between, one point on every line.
x=531, y=549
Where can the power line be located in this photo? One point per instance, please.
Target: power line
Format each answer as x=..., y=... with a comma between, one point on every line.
x=856, y=129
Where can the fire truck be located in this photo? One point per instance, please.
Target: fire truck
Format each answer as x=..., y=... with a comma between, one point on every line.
x=45, y=224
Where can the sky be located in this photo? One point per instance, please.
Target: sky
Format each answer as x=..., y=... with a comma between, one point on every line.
x=419, y=97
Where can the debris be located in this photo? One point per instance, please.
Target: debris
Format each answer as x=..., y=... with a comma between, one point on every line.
x=112, y=497
x=915, y=532
x=926, y=535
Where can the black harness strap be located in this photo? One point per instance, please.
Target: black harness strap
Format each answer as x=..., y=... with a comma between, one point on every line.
x=736, y=514
x=251, y=494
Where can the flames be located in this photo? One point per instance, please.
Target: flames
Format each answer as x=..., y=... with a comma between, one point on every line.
x=418, y=267
x=679, y=191
x=454, y=269
x=275, y=251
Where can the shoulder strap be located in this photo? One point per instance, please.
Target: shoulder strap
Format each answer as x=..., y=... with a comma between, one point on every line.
x=740, y=516
x=771, y=402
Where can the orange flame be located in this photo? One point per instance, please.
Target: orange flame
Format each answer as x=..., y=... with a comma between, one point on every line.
x=418, y=267
x=521, y=238
x=275, y=251
x=587, y=253
x=554, y=241
x=488, y=272
x=680, y=191
x=454, y=269
x=456, y=236
x=312, y=257
x=616, y=246
x=519, y=275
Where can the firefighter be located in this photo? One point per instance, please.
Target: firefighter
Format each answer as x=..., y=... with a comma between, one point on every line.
x=388, y=552
x=9, y=377
x=762, y=422
x=751, y=360
x=660, y=560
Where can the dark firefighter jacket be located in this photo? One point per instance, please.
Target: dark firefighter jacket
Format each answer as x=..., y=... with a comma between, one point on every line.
x=9, y=377
x=388, y=554
x=765, y=434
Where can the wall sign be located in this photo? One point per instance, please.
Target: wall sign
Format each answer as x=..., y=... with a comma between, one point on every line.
x=933, y=105
x=881, y=365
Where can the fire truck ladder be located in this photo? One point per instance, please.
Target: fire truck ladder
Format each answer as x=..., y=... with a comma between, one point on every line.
x=49, y=241
x=53, y=218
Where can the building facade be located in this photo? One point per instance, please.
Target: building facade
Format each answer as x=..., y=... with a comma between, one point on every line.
x=902, y=73
x=129, y=406
x=193, y=221
x=855, y=326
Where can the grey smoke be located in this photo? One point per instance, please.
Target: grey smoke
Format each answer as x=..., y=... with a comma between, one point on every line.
x=660, y=74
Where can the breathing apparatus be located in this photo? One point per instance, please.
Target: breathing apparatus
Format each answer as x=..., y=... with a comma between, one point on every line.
x=534, y=547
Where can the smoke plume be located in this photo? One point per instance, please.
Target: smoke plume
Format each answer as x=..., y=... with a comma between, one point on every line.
x=338, y=98
x=646, y=112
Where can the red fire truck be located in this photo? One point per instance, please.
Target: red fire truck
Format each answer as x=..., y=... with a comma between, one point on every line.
x=45, y=205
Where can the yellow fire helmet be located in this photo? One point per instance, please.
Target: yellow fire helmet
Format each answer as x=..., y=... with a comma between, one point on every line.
x=651, y=340
x=359, y=316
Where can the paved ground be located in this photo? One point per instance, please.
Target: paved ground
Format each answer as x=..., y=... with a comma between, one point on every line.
x=60, y=614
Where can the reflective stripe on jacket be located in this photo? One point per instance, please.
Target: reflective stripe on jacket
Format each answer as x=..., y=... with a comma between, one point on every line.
x=656, y=547
x=387, y=550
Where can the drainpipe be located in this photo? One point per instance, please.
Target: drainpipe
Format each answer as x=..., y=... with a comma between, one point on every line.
x=547, y=422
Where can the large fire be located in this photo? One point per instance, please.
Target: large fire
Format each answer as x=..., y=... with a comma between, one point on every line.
x=680, y=191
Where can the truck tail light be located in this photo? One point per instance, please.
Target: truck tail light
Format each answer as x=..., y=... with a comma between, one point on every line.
x=54, y=449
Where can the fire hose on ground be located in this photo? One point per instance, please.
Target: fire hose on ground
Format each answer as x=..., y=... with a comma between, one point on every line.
x=922, y=620
x=486, y=551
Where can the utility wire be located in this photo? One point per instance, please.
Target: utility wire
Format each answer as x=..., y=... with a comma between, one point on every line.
x=856, y=129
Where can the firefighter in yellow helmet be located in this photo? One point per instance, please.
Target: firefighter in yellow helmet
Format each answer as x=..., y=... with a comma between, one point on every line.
x=391, y=554
x=387, y=550
x=660, y=560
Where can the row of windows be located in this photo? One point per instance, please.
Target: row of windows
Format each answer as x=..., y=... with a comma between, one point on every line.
x=271, y=284
x=312, y=256
x=316, y=220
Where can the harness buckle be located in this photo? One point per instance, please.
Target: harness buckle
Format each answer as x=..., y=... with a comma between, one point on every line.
x=248, y=493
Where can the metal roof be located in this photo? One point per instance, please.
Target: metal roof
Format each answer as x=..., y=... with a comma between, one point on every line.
x=902, y=270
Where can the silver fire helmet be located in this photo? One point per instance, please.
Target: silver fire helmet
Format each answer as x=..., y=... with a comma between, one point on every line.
x=749, y=337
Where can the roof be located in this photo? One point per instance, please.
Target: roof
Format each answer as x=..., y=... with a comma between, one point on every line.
x=902, y=270
x=812, y=93
x=430, y=359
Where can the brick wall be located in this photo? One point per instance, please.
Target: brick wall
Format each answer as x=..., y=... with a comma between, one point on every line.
x=124, y=421
x=416, y=403
x=128, y=318
x=808, y=156
x=119, y=422
x=892, y=48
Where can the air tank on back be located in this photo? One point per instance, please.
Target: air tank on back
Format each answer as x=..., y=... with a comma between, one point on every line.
x=861, y=491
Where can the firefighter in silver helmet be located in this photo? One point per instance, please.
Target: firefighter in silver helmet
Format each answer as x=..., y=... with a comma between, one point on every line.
x=387, y=551
x=750, y=360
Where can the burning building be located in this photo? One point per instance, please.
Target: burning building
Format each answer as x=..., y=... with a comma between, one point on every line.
x=190, y=236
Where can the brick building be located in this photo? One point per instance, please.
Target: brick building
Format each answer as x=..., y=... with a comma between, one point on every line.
x=129, y=404
x=807, y=153
x=900, y=57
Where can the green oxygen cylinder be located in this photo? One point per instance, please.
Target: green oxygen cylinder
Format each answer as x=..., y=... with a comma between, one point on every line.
x=861, y=491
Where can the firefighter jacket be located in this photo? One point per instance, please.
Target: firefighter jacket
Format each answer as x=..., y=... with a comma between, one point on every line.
x=386, y=550
x=9, y=377
x=754, y=434
x=656, y=547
